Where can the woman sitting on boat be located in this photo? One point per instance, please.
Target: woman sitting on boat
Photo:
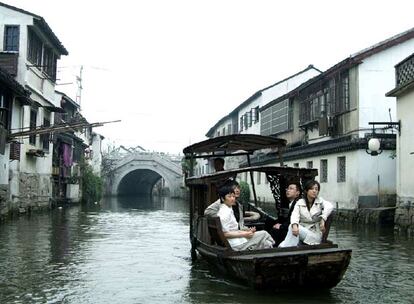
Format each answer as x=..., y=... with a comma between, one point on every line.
x=308, y=218
x=249, y=239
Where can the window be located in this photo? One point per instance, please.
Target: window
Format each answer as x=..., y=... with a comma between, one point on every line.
x=44, y=138
x=341, y=174
x=224, y=131
x=296, y=165
x=255, y=114
x=275, y=119
x=344, y=92
x=33, y=118
x=4, y=109
x=41, y=55
x=249, y=118
x=49, y=62
x=241, y=123
x=246, y=121
x=259, y=178
x=218, y=133
x=324, y=171
x=330, y=99
x=229, y=131
x=309, y=164
x=11, y=38
x=34, y=54
x=290, y=114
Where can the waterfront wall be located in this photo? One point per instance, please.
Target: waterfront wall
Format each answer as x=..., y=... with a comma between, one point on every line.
x=404, y=215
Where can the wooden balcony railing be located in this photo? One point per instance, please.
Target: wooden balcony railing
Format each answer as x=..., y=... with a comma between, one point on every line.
x=405, y=71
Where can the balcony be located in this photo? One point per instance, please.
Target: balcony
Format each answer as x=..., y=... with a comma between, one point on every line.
x=404, y=77
x=8, y=62
x=405, y=71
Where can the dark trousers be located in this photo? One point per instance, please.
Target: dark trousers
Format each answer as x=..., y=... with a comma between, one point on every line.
x=277, y=234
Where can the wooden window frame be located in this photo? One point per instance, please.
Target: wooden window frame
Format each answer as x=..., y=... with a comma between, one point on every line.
x=5, y=41
x=33, y=125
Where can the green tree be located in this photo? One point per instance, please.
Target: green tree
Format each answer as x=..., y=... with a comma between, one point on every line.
x=187, y=164
x=91, y=184
x=244, y=192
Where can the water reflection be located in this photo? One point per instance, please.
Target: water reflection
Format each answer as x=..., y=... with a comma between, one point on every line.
x=136, y=250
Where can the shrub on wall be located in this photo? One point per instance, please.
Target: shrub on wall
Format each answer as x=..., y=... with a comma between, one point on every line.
x=244, y=192
x=92, y=184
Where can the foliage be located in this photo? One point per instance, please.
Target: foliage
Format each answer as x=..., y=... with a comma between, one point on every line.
x=92, y=184
x=244, y=192
x=108, y=165
x=187, y=164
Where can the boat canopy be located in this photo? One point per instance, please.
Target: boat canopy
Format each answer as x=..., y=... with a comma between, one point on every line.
x=236, y=143
x=289, y=173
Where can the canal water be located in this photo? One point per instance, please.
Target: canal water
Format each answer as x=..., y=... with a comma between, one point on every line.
x=137, y=251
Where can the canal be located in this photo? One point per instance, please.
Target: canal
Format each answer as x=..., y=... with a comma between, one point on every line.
x=137, y=251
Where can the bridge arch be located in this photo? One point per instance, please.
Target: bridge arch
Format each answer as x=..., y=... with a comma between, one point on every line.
x=139, y=180
x=138, y=173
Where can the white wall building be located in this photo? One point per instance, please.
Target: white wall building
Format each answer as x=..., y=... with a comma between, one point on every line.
x=326, y=122
x=96, y=153
x=404, y=91
x=245, y=119
x=12, y=98
x=29, y=49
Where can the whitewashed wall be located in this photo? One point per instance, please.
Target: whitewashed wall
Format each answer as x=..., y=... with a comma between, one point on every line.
x=361, y=177
x=405, y=146
x=96, y=160
x=376, y=77
x=43, y=91
x=4, y=166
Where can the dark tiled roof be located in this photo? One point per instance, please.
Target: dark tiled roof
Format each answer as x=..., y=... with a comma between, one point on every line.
x=42, y=24
x=16, y=87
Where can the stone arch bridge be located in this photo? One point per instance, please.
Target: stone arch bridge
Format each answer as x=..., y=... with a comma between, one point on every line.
x=138, y=173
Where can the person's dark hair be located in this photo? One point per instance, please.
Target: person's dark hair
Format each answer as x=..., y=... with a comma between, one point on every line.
x=310, y=184
x=226, y=188
x=298, y=186
x=235, y=183
x=219, y=160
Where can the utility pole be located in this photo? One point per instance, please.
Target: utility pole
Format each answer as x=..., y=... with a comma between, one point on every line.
x=79, y=83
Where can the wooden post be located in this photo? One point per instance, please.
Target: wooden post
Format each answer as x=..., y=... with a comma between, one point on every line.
x=252, y=181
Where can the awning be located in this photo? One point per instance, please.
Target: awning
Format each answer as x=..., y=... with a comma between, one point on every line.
x=54, y=109
x=235, y=142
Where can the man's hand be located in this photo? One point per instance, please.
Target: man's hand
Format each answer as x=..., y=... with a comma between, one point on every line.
x=277, y=226
x=295, y=229
x=248, y=234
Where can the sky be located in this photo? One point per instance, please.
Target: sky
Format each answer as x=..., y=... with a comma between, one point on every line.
x=170, y=69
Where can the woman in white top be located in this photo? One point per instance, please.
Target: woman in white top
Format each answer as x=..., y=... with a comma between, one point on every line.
x=249, y=239
x=307, y=222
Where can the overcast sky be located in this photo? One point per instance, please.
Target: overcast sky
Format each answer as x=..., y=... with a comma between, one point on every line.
x=170, y=69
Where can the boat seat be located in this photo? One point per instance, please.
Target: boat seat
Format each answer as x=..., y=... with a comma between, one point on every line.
x=216, y=232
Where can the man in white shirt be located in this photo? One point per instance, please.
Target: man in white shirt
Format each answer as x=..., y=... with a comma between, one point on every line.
x=249, y=239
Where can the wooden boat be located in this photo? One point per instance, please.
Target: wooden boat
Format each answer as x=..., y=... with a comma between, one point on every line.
x=305, y=266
